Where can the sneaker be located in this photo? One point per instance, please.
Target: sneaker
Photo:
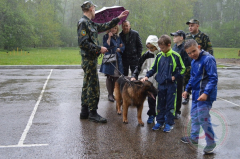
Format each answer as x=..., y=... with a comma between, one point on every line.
x=209, y=148
x=185, y=101
x=95, y=117
x=177, y=116
x=167, y=128
x=150, y=119
x=157, y=126
x=187, y=139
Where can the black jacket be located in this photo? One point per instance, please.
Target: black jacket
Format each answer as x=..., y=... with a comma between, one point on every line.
x=180, y=49
x=142, y=59
x=133, y=48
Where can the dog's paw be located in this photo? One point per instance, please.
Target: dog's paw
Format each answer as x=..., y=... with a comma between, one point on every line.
x=125, y=121
x=119, y=112
x=141, y=124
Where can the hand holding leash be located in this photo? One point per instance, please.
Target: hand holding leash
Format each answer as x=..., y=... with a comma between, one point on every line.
x=104, y=50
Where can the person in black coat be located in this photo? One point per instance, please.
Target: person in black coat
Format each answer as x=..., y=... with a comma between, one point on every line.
x=133, y=48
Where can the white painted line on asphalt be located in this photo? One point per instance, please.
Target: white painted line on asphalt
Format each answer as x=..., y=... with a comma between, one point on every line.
x=30, y=145
x=228, y=101
x=20, y=143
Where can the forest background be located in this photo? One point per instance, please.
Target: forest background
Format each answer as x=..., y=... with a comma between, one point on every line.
x=53, y=23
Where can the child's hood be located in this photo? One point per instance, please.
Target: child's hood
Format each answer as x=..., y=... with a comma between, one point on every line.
x=153, y=39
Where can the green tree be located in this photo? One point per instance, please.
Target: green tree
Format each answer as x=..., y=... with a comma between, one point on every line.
x=220, y=20
x=154, y=17
x=47, y=28
x=14, y=24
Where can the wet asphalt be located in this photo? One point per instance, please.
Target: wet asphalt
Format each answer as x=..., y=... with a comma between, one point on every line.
x=40, y=119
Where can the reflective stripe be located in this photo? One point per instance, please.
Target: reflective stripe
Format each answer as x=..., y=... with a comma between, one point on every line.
x=174, y=63
x=201, y=80
x=181, y=62
x=175, y=102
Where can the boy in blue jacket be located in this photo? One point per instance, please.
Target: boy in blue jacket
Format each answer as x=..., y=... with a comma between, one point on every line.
x=169, y=66
x=203, y=83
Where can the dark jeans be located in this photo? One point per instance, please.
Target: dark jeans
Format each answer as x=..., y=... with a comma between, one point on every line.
x=179, y=95
x=152, y=106
x=126, y=65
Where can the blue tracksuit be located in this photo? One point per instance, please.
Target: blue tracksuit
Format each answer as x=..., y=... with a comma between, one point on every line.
x=203, y=79
x=167, y=65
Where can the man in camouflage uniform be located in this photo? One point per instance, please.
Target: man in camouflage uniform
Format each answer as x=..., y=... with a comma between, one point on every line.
x=203, y=40
x=90, y=50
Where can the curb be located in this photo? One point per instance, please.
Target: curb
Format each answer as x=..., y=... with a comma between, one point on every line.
x=40, y=67
x=230, y=67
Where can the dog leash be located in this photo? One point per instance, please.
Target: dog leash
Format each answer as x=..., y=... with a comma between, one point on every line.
x=110, y=48
x=128, y=81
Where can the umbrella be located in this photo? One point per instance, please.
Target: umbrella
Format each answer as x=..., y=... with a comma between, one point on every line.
x=106, y=14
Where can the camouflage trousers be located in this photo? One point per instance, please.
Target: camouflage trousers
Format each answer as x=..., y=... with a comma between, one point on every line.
x=186, y=77
x=90, y=89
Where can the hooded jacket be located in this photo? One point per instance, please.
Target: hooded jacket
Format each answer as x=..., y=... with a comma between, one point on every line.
x=167, y=65
x=204, y=77
x=147, y=59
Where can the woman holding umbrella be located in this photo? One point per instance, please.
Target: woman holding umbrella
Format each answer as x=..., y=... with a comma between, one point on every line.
x=113, y=69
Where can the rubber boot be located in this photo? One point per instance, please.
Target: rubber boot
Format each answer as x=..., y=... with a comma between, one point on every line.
x=84, y=112
x=95, y=117
x=110, y=87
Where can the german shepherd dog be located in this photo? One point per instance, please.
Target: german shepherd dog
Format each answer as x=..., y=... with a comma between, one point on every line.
x=134, y=93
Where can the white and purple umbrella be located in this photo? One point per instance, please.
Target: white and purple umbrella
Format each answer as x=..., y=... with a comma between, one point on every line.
x=106, y=14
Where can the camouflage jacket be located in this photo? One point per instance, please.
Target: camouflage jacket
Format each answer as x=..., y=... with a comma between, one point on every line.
x=88, y=35
x=203, y=40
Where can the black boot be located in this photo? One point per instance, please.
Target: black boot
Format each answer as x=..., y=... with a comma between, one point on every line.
x=110, y=87
x=94, y=116
x=84, y=112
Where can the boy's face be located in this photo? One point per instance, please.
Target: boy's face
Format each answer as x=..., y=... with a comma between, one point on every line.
x=164, y=48
x=193, y=51
x=193, y=28
x=177, y=39
x=151, y=47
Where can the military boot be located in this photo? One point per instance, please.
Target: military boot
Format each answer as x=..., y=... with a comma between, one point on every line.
x=84, y=112
x=94, y=116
